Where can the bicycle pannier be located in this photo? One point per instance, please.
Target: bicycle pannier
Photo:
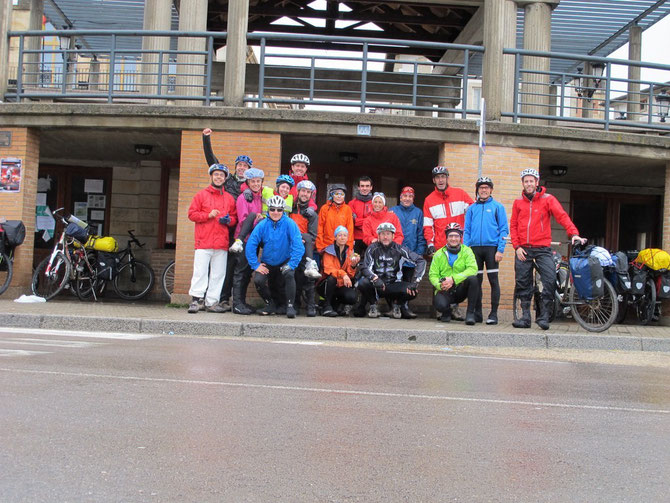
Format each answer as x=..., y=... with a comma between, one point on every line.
x=654, y=258
x=588, y=277
x=620, y=277
x=79, y=233
x=108, y=265
x=663, y=286
x=15, y=232
x=638, y=279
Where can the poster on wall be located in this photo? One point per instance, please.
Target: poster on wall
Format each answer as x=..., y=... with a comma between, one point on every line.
x=10, y=174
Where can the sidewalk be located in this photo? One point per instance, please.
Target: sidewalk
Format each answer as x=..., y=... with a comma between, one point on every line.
x=118, y=316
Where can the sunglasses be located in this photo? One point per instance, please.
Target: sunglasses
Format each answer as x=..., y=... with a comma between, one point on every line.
x=338, y=194
x=275, y=210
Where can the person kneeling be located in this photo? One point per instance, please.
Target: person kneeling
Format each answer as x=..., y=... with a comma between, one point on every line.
x=380, y=271
x=281, y=241
x=453, y=273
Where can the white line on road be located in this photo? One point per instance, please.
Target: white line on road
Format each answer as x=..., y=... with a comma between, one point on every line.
x=20, y=352
x=50, y=342
x=71, y=333
x=340, y=391
x=302, y=343
x=416, y=353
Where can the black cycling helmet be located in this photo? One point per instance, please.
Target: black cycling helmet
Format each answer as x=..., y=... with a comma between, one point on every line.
x=337, y=186
x=440, y=170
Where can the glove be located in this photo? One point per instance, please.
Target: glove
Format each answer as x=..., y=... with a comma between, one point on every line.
x=285, y=269
x=354, y=215
x=248, y=195
x=430, y=251
x=413, y=286
x=309, y=213
x=224, y=220
x=378, y=284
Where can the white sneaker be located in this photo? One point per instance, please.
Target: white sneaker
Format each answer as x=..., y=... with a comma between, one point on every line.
x=237, y=246
x=311, y=269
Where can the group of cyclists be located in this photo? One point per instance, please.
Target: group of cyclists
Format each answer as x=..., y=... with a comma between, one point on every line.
x=355, y=254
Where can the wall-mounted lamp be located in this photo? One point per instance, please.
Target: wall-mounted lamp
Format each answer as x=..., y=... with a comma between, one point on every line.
x=663, y=100
x=587, y=85
x=622, y=115
x=559, y=170
x=143, y=149
x=348, y=156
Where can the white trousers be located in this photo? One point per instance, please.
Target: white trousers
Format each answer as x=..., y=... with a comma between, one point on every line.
x=209, y=272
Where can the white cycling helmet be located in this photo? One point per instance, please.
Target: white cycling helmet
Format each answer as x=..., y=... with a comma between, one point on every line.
x=300, y=158
x=276, y=202
x=531, y=172
x=386, y=226
x=306, y=184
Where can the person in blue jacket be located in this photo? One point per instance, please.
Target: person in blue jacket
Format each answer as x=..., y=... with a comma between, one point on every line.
x=280, y=238
x=411, y=221
x=485, y=232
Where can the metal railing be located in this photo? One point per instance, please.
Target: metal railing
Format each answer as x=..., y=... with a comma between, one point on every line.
x=593, y=90
x=171, y=68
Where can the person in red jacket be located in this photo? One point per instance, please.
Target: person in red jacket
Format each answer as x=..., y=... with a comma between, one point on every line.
x=214, y=213
x=298, y=171
x=361, y=207
x=530, y=231
x=380, y=214
x=443, y=206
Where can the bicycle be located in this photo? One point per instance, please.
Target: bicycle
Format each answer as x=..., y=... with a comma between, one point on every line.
x=57, y=271
x=134, y=278
x=594, y=315
x=167, y=279
x=646, y=303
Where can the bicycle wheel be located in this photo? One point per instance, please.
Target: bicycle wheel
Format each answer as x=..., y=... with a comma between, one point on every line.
x=50, y=284
x=595, y=315
x=86, y=281
x=646, y=303
x=6, y=272
x=134, y=280
x=167, y=279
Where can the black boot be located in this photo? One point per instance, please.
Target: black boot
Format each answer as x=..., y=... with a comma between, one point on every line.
x=268, y=309
x=406, y=312
x=469, y=317
x=524, y=321
x=310, y=307
x=543, y=320
x=290, y=310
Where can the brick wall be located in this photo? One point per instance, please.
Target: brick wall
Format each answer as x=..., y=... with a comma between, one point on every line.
x=503, y=165
x=25, y=145
x=665, y=307
x=263, y=148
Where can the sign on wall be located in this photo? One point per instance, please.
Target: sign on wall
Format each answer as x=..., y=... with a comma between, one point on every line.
x=10, y=175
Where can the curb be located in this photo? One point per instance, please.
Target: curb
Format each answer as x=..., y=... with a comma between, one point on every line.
x=326, y=333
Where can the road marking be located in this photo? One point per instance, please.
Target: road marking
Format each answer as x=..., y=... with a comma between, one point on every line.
x=21, y=352
x=68, y=333
x=302, y=343
x=341, y=391
x=450, y=355
x=51, y=342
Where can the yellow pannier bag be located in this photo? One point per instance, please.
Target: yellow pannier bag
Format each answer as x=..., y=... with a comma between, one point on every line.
x=105, y=244
x=654, y=258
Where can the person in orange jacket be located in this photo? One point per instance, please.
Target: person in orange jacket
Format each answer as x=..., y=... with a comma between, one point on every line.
x=333, y=214
x=339, y=269
x=380, y=213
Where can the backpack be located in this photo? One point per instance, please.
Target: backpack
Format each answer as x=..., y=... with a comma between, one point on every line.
x=587, y=275
x=15, y=233
x=108, y=265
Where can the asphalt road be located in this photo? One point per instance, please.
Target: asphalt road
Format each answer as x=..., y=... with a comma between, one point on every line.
x=99, y=418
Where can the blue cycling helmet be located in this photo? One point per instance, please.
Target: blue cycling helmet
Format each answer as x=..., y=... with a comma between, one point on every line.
x=254, y=173
x=285, y=179
x=244, y=158
x=306, y=184
x=218, y=167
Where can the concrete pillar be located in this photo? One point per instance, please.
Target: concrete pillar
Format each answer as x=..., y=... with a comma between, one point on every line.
x=191, y=67
x=31, y=62
x=553, y=101
x=536, y=37
x=6, y=8
x=236, y=53
x=634, y=54
x=424, y=113
x=157, y=16
x=588, y=83
x=498, y=71
x=94, y=75
x=25, y=145
x=666, y=209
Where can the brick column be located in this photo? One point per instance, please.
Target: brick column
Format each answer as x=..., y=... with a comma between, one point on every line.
x=263, y=148
x=666, y=210
x=25, y=145
x=503, y=165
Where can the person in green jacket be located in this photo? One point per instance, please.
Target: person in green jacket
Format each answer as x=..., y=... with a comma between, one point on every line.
x=453, y=273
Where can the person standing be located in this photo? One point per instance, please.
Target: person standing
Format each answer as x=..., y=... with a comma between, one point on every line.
x=214, y=213
x=486, y=231
x=361, y=207
x=380, y=214
x=443, y=206
x=298, y=172
x=530, y=230
x=333, y=214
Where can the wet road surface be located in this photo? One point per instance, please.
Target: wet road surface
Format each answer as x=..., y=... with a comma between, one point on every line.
x=103, y=418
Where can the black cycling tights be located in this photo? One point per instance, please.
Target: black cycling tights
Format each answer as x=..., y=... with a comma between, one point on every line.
x=486, y=255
